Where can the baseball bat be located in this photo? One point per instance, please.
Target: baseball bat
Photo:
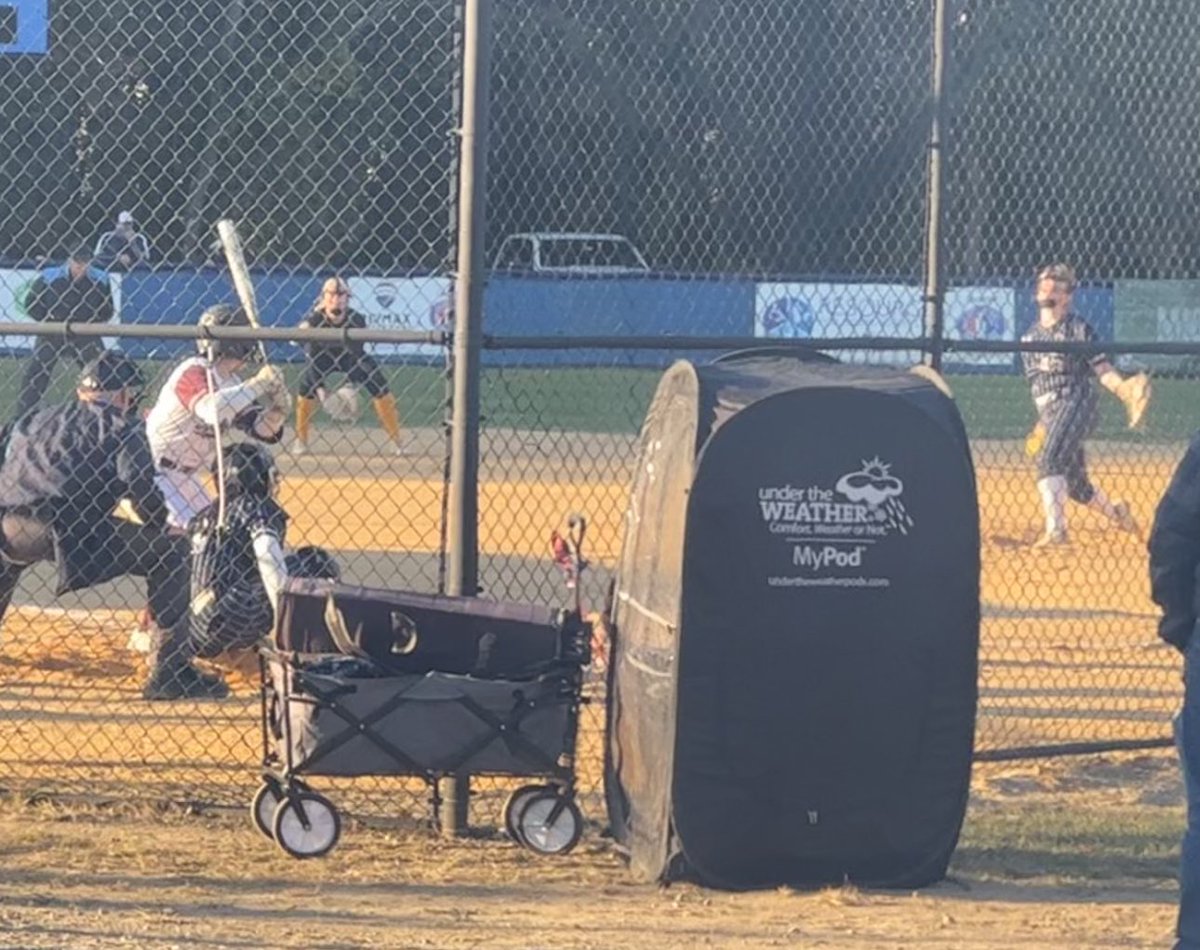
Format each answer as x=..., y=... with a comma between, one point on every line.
x=239, y=273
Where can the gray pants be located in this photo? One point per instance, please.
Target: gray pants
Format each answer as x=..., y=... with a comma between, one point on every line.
x=135, y=549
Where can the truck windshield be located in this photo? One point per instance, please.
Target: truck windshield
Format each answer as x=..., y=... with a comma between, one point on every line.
x=588, y=252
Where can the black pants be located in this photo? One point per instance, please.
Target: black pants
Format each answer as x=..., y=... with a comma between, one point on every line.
x=1068, y=423
x=46, y=354
x=360, y=368
x=127, y=548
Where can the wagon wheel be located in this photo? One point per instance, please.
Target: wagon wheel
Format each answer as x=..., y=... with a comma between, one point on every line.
x=516, y=802
x=550, y=823
x=263, y=805
x=266, y=800
x=306, y=825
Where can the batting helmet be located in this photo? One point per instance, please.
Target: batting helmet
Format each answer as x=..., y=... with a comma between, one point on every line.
x=226, y=315
x=249, y=470
x=110, y=372
x=313, y=562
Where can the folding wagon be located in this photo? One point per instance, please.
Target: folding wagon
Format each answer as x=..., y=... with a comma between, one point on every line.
x=368, y=682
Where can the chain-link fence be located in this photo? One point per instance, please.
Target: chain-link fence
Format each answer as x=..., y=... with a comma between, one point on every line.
x=729, y=171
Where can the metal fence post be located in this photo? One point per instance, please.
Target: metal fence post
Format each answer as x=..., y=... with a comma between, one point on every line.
x=463, y=574
x=934, y=296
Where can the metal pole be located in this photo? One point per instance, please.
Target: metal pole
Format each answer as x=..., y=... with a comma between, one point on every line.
x=463, y=513
x=935, y=326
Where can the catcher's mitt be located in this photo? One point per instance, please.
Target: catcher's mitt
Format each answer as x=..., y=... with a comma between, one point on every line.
x=1135, y=393
x=1035, y=440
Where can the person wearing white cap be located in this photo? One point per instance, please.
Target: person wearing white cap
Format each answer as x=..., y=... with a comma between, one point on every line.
x=123, y=247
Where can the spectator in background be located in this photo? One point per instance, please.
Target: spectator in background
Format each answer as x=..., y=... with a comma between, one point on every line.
x=76, y=291
x=123, y=247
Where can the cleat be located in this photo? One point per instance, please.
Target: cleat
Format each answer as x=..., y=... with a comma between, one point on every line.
x=1052, y=539
x=1124, y=519
x=185, y=683
x=299, y=448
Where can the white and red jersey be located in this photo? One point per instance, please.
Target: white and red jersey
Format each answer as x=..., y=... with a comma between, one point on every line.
x=180, y=427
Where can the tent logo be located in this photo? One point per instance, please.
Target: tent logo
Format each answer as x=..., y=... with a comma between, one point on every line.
x=877, y=487
x=865, y=503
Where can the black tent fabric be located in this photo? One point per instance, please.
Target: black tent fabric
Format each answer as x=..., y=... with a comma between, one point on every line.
x=793, y=680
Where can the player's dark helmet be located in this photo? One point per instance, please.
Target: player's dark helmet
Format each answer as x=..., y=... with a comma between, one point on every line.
x=249, y=470
x=313, y=562
x=226, y=315
x=110, y=372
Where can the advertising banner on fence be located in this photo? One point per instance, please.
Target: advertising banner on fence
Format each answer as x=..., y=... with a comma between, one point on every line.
x=14, y=286
x=980, y=313
x=816, y=310
x=402, y=303
x=1157, y=311
x=809, y=311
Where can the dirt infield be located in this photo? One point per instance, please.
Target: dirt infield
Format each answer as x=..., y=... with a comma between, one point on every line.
x=1069, y=651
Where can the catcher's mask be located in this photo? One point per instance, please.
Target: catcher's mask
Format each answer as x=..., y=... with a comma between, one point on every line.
x=249, y=470
x=226, y=315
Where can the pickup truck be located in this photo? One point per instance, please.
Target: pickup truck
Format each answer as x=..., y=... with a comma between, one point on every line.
x=551, y=252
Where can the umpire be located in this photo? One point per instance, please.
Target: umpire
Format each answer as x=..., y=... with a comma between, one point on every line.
x=332, y=311
x=76, y=291
x=65, y=470
x=1174, y=548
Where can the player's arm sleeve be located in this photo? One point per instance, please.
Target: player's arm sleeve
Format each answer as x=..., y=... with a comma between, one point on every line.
x=272, y=565
x=135, y=469
x=1028, y=362
x=217, y=409
x=1099, y=362
x=1174, y=548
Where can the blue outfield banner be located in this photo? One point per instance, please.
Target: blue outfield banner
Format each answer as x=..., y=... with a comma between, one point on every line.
x=639, y=306
x=636, y=306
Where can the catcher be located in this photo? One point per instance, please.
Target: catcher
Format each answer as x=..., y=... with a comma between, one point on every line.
x=239, y=570
x=332, y=311
x=1067, y=403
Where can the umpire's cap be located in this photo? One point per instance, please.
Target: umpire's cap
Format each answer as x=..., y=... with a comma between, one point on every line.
x=110, y=372
x=226, y=315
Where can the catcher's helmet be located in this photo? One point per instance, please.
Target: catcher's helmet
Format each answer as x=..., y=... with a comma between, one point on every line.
x=110, y=372
x=249, y=470
x=226, y=315
x=313, y=562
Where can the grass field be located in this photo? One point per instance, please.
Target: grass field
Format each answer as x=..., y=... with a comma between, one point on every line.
x=614, y=400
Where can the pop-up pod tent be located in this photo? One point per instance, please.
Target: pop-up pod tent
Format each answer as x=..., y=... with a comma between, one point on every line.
x=796, y=611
